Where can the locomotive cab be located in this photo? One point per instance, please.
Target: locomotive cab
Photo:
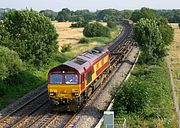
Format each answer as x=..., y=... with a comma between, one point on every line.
x=63, y=84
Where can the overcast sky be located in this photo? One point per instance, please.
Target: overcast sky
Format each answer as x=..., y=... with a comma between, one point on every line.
x=92, y=5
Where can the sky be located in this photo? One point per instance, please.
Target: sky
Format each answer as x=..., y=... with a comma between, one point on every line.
x=92, y=5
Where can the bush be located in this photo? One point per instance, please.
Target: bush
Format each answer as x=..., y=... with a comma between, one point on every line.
x=79, y=24
x=10, y=63
x=145, y=94
x=66, y=48
x=84, y=41
x=132, y=97
x=96, y=30
x=33, y=35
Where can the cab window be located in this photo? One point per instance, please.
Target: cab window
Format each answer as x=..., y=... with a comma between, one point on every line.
x=55, y=79
x=71, y=79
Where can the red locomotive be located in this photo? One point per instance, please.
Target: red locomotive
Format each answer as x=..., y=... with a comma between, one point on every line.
x=72, y=82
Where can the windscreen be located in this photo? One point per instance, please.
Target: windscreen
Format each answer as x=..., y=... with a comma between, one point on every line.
x=71, y=79
x=55, y=79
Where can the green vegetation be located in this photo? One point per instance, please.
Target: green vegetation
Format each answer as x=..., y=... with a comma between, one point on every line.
x=145, y=98
x=84, y=40
x=96, y=30
x=67, y=15
x=32, y=34
x=66, y=48
x=152, y=37
x=111, y=24
x=27, y=36
x=79, y=24
x=173, y=15
x=109, y=14
x=10, y=63
x=49, y=13
x=143, y=13
x=149, y=39
x=104, y=40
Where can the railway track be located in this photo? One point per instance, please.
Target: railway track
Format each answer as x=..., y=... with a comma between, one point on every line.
x=118, y=53
x=35, y=113
x=23, y=111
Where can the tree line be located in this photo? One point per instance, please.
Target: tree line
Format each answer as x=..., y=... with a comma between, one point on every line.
x=106, y=14
x=68, y=15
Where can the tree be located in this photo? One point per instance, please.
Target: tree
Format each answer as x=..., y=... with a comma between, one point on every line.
x=149, y=38
x=167, y=33
x=127, y=14
x=96, y=30
x=143, y=13
x=4, y=36
x=109, y=14
x=84, y=15
x=173, y=15
x=111, y=24
x=33, y=35
x=49, y=13
x=64, y=15
x=10, y=63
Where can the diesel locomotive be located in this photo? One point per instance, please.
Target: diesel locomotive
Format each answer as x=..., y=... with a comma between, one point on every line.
x=72, y=82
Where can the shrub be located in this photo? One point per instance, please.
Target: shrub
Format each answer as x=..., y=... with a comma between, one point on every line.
x=84, y=41
x=66, y=48
x=96, y=30
x=145, y=94
x=79, y=24
x=10, y=63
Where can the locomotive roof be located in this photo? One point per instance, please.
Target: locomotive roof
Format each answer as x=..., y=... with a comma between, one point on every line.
x=86, y=59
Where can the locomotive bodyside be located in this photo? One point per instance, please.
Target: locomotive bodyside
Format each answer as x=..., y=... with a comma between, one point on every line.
x=85, y=69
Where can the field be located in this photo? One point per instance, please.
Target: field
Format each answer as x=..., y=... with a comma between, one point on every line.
x=174, y=55
x=66, y=34
x=71, y=36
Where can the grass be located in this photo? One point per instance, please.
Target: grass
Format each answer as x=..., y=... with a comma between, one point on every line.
x=17, y=86
x=174, y=56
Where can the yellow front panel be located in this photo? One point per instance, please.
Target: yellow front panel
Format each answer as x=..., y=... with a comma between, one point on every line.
x=63, y=91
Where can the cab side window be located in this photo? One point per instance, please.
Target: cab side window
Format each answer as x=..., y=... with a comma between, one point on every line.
x=89, y=77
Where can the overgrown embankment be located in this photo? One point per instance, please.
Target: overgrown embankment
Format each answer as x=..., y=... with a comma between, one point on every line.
x=145, y=99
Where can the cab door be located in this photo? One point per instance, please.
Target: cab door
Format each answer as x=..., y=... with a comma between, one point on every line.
x=82, y=81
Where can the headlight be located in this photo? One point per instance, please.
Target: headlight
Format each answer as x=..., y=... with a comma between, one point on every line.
x=75, y=93
x=52, y=93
